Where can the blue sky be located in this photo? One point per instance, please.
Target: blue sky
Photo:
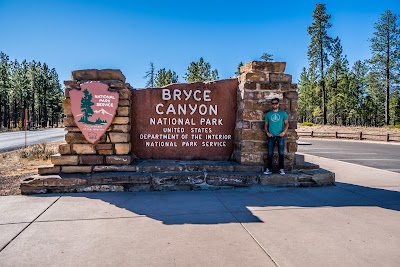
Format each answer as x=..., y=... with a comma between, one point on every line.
x=128, y=35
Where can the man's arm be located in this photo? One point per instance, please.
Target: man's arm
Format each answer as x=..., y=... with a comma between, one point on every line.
x=266, y=129
x=286, y=122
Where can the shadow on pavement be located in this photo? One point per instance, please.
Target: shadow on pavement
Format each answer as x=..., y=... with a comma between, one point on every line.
x=218, y=207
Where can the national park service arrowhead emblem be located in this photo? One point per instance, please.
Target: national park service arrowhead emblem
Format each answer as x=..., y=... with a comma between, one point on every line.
x=93, y=108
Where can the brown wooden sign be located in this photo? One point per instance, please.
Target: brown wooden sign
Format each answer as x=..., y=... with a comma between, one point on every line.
x=185, y=121
x=94, y=109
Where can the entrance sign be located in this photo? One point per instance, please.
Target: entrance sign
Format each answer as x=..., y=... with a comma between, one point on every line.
x=93, y=108
x=185, y=121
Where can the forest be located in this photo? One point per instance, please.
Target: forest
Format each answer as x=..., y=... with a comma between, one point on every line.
x=365, y=94
x=31, y=88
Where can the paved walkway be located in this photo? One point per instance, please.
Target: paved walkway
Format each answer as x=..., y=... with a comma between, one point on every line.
x=356, y=223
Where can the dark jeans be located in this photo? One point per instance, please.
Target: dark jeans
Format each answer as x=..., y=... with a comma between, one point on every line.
x=281, y=146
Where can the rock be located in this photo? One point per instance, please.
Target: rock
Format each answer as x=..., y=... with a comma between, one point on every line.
x=226, y=179
x=64, y=160
x=121, y=120
x=124, y=103
x=64, y=149
x=120, y=178
x=115, y=168
x=122, y=149
x=290, y=95
x=125, y=94
x=111, y=74
x=275, y=179
x=280, y=78
x=254, y=77
x=103, y=146
x=121, y=128
x=105, y=151
x=118, y=159
x=76, y=169
x=119, y=137
x=51, y=169
x=89, y=74
x=263, y=66
x=97, y=75
x=91, y=159
x=83, y=149
x=69, y=121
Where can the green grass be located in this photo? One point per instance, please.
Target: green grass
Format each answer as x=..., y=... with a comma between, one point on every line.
x=397, y=126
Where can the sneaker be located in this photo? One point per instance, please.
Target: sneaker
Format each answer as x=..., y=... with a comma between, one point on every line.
x=267, y=171
x=282, y=171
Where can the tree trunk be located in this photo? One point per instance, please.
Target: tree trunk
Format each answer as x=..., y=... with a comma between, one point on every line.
x=15, y=115
x=323, y=85
x=387, y=114
x=1, y=113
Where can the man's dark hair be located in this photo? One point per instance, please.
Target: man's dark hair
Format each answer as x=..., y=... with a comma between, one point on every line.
x=277, y=99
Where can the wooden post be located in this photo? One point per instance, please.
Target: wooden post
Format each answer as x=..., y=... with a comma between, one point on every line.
x=360, y=135
x=336, y=135
x=312, y=133
x=387, y=138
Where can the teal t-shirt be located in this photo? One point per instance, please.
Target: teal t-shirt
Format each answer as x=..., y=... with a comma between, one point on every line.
x=275, y=121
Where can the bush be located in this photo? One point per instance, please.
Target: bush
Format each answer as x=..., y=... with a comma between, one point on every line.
x=397, y=126
x=39, y=151
x=307, y=123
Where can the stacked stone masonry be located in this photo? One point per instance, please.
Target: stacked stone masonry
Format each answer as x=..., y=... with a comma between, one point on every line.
x=259, y=83
x=77, y=155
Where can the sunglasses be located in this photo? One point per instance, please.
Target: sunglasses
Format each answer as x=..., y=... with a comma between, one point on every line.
x=275, y=103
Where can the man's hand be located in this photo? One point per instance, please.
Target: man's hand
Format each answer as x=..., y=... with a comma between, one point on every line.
x=269, y=135
x=282, y=134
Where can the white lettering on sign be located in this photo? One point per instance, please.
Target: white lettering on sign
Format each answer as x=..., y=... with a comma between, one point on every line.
x=174, y=114
x=186, y=109
x=213, y=143
x=161, y=144
x=197, y=95
x=104, y=100
x=104, y=96
x=172, y=121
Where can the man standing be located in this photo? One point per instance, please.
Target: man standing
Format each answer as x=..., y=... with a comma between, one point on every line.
x=276, y=126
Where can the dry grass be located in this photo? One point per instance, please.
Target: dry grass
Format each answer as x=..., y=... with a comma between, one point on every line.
x=16, y=165
x=370, y=133
x=349, y=129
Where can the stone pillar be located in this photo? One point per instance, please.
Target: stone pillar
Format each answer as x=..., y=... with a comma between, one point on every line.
x=258, y=84
x=114, y=147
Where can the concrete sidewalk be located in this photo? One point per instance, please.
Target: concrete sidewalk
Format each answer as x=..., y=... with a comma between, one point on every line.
x=356, y=223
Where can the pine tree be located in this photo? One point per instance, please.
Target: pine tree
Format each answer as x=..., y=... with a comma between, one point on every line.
x=375, y=97
x=385, y=48
x=319, y=49
x=200, y=72
x=237, y=73
x=395, y=107
x=309, y=99
x=165, y=77
x=266, y=57
x=358, y=85
x=55, y=99
x=151, y=76
x=5, y=85
x=337, y=71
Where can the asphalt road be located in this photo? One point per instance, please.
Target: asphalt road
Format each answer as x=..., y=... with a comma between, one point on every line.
x=14, y=140
x=384, y=156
